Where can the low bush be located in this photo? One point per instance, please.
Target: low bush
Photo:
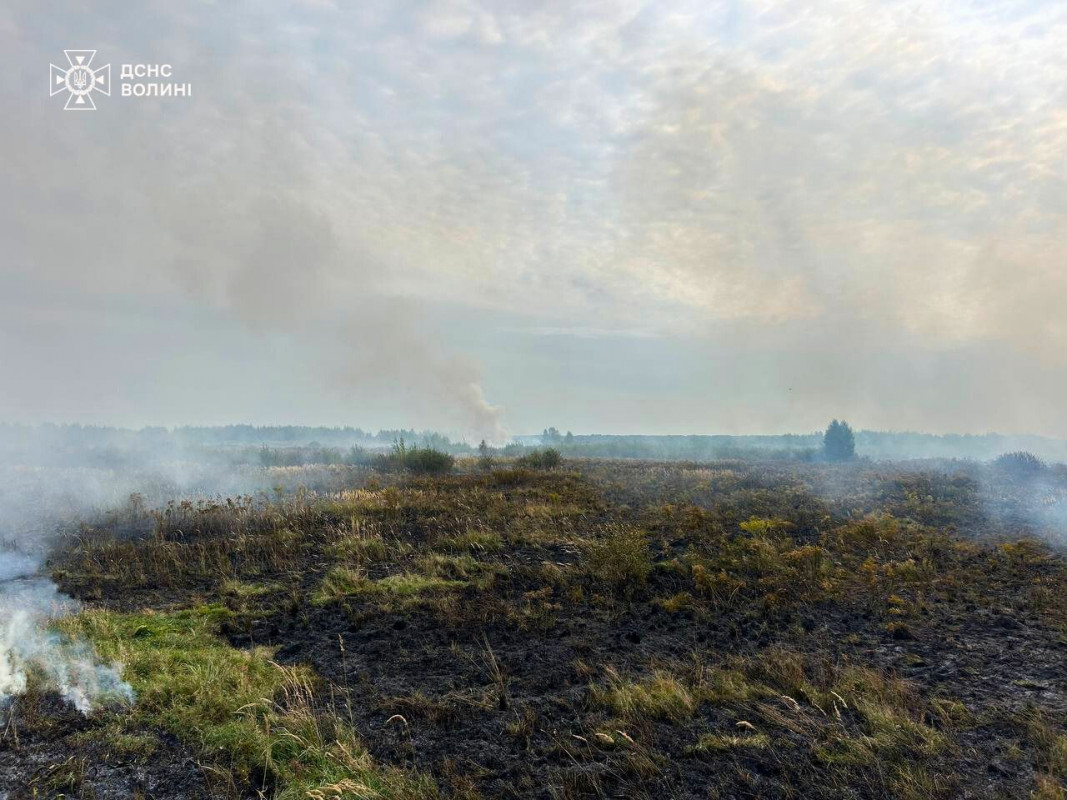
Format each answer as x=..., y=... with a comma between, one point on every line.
x=420, y=460
x=1019, y=464
x=541, y=459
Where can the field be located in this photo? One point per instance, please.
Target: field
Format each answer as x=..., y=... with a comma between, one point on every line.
x=601, y=629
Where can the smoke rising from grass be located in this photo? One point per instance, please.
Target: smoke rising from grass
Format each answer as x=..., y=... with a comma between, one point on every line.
x=430, y=383
x=275, y=271
x=29, y=649
x=34, y=503
x=1026, y=496
x=37, y=504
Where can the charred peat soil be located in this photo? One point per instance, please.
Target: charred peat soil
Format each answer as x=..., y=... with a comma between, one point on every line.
x=602, y=630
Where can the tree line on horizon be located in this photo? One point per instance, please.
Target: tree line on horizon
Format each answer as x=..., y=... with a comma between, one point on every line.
x=114, y=447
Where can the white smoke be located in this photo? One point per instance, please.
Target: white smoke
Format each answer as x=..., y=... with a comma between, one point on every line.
x=1032, y=503
x=17, y=565
x=28, y=606
x=35, y=503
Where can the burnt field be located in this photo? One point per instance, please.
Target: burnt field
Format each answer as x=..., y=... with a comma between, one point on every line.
x=597, y=630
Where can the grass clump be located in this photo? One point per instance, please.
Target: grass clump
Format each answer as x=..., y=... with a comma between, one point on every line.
x=115, y=740
x=356, y=544
x=341, y=582
x=242, y=590
x=1046, y=743
x=472, y=541
x=725, y=743
x=407, y=584
x=238, y=707
x=764, y=566
x=459, y=570
x=620, y=559
x=661, y=696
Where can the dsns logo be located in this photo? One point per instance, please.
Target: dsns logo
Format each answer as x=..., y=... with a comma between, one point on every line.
x=80, y=80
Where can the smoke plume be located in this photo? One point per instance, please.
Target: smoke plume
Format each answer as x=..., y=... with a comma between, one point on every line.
x=27, y=646
x=38, y=502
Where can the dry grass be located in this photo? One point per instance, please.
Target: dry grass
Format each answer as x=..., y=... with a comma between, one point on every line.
x=345, y=582
x=660, y=696
x=727, y=552
x=862, y=726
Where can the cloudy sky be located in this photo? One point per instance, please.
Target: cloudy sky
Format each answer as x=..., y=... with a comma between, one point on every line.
x=606, y=216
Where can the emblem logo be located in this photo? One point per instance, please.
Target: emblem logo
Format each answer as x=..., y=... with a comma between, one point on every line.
x=80, y=80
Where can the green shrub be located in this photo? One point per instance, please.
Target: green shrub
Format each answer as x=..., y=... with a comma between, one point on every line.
x=421, y=460
x=426, y=460
x=1019, y=464
x=541, y=459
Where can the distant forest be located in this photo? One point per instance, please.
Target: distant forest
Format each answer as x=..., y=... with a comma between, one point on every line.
x=287, y=445
x=876, y=445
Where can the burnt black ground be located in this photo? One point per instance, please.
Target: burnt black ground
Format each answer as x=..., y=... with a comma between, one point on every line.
x=988, y=660
x=45, y=753
x=418, y=684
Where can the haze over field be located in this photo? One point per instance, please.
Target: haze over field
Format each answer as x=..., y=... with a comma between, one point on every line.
x=622, y=217
x=543, y=399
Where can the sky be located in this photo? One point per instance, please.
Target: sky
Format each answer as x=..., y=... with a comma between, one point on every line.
x=488, y=218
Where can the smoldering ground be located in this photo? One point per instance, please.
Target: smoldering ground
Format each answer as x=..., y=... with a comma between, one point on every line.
x=1022, y=493
x=994, y=498
x=40, y=502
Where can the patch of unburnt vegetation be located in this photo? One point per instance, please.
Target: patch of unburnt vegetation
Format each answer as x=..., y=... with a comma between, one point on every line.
x=420, y=460
x=256, y=723
x=549, y=458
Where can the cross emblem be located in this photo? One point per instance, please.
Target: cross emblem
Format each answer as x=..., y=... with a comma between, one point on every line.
x=80, y=79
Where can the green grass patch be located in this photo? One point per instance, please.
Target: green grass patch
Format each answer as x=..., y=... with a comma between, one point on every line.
x=242, y=590
x=355, y=545
x=238, y=708
x=342, y=582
